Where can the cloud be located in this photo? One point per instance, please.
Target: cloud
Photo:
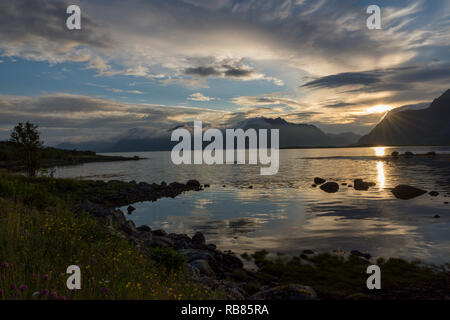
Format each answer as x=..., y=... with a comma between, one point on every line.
x=199, y=97
x=35, y=30
x=71, y=117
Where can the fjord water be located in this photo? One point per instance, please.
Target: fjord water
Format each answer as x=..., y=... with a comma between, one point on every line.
x=284, y=213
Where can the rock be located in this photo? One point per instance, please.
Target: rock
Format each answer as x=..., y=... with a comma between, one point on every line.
x=433, y=193
x=437, y=216
x=314, y=186
x=144, y=235
x=360, y=254
x=128, y=227
x=330, y=187
x=198, y=239
x=159, y=233
x=409, y=154
x=343, y=183
x=203, y=267
x=144, y=229
x=406, y=192
x=162, y=242
x=250, y=187
x=207, y=185
x=286, y=292
x=194, y=254
x=431, y=154
x=211, y=247
x=192, y=271
x=394, y=154
x=360, y=184
x=350, y=186
x=130, y=209
x=319, y=181
x=193, y=184
x=307, y=251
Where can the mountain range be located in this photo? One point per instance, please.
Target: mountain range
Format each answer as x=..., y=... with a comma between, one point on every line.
x=291, y=135
x=408, y=125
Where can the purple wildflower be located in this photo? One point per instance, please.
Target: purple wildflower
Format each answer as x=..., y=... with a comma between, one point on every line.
x=5, y=264
x=22, y=288
x=46, y=277
x=63, y=298
x=43, y=292
x=53, y=295
x=13, y=286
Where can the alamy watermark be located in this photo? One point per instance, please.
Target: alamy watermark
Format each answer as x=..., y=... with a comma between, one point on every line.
x=257, y=141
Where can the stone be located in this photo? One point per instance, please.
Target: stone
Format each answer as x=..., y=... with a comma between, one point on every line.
x=159, y=233
x=330, y=187
x=194, y=184
x=203, y=267
x=406, y=192
x=437, y=216
x=307, y=251
x=130, y=209
x=361, y=185
x=144, y=228
x=318, y=180
x=394, y=154
x=433, y=193
x=198, y=238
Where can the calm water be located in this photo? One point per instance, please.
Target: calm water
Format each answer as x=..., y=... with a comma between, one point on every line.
x=283, y=213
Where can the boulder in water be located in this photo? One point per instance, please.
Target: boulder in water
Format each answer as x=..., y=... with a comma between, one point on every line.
x=318, y=180
x=406, y=192
x=330, y=187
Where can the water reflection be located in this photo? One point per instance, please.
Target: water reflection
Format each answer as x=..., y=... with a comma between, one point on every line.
x=380, y=151
x=381, y=179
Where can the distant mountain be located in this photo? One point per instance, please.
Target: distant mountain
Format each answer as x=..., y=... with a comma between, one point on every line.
x=291, y=135
x=301, y=135
x=429, y=126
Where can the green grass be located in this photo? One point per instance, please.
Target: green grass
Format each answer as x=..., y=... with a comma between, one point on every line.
x=40, y=237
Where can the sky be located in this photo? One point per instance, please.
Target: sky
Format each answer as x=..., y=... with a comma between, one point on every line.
x=159, y=64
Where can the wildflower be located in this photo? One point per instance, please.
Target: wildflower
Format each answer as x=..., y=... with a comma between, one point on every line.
x=62, y=298
x=13, y=287
x=22, y=288
x=5, y=264
x=43, y=292
x=46, y=277
x=53, y=295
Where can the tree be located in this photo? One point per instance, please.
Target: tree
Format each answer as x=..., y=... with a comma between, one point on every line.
x=27, y=137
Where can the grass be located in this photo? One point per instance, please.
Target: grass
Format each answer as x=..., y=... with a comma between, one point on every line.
x=40, y=237
x=43, y=192
x=336, y=277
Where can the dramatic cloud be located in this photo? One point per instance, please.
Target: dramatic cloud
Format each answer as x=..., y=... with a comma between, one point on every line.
x=330, y=67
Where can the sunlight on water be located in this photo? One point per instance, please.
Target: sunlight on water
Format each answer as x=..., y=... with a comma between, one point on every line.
x=381, y=177
x=379, y=151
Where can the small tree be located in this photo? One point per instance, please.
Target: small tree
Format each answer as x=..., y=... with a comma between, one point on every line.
x=28, y=138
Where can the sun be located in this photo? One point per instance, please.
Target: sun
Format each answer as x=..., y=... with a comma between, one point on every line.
x=379, y=108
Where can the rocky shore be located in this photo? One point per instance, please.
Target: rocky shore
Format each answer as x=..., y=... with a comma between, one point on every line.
x=205, y=264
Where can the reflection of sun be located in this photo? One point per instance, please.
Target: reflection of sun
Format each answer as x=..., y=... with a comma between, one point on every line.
x=379, y=151
x=380, y=177
x=379, y=109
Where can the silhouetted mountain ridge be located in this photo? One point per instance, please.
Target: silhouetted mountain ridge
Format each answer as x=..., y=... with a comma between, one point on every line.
x=429, y=126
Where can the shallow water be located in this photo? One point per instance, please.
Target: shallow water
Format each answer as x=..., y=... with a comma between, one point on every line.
x=283, y=213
